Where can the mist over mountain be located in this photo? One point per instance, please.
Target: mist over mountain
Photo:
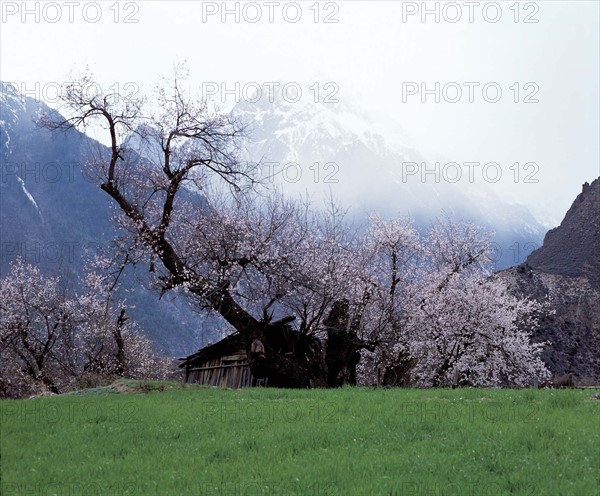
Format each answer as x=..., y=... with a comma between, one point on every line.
x=565, y=273
x=368, y=164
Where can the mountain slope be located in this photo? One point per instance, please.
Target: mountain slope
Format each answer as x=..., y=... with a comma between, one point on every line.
x=573, y=248
x=564, y=272
x=54, y=216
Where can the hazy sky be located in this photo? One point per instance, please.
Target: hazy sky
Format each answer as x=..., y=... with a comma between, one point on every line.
x=377, y=53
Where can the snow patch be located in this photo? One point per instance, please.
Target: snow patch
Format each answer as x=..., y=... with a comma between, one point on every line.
x=28, y=194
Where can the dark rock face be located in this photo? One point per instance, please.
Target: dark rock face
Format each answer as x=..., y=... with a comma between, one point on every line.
x=565, y=272
x=573, y=330
x=573, y=248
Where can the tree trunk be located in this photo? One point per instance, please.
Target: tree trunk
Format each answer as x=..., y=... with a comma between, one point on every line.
x=398, y=374
x=290, y=359
x=287, y=358
x=343, y=346
x=118, y=335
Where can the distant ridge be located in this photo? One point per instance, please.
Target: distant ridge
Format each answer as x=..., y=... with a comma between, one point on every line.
x=573, y=248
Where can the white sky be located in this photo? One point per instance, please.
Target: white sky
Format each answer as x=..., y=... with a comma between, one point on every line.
x=369, y=54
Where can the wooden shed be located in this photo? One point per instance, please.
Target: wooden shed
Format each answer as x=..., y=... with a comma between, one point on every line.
x=222, y=364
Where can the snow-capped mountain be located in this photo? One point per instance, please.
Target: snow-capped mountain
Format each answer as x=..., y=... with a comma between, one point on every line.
x=369, y=164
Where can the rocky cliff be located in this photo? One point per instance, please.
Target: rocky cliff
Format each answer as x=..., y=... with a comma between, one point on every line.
x=565, y=273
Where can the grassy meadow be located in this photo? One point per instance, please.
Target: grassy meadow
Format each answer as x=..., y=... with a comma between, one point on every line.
x=135, y=438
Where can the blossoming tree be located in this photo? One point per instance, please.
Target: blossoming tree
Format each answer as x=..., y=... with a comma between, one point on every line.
x=51, y=340
x=306, y=292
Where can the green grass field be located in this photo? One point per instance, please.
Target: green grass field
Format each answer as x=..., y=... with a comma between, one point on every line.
x=161, y=438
